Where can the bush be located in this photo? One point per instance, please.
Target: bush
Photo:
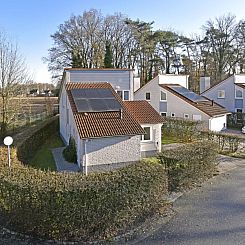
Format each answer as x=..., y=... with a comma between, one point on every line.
x=70, y=152
x=78, y=207
x=189, y=164
x=184, y=130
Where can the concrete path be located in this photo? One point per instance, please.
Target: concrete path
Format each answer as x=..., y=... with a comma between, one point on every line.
x=61, y=163
x=213, y=214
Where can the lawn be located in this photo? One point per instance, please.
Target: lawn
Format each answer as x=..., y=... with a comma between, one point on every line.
x=168, y=139
x=43, y=158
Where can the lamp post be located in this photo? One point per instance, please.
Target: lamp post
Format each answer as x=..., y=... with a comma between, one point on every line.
x=8, y=140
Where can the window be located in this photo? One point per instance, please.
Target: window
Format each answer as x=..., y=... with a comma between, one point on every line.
x=186, y=116
x=172, y=114
x=67, y=116
x=221, y=94
x=238, y=93
x=125, y=95
x=119, y=92
x=148, y=96
x=147, y=136
x=163, y=114
x=163, y=96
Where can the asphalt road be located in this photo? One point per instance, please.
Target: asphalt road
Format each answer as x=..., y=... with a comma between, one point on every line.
x=213, y=214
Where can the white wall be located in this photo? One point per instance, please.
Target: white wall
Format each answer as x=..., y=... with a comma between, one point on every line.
x=121, y=78
x=156, y=143
x=174, y=79
x=109, y=150
x=152, y=87
x=217, y=123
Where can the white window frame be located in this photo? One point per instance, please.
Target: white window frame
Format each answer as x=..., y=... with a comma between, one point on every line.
x=163, y=112
x=240, y=91
x=150, y=96
x=128, y=94
x=186, y=116
x=121, y=95
x=142, y=137
x=172, y=114
x=221, y=97
x=161, y=96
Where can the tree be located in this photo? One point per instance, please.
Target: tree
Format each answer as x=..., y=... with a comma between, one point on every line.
x=12, y=73
x=108, y=56
x=221, y=36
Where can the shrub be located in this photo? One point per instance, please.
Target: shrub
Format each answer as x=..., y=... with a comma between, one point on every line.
x=189, y=164
x=77, y=207
x=184, y=130
x=70, y=152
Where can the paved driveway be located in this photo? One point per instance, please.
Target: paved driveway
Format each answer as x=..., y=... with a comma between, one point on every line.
x=213, y=214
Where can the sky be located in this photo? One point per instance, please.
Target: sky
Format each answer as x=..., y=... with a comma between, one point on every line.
x=30, y=23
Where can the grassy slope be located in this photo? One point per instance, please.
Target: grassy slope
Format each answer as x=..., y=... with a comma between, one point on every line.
x=43, y=159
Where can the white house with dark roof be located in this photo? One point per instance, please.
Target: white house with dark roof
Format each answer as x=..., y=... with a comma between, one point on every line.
x=229, y=93
x=174, y=100
x=106, y=132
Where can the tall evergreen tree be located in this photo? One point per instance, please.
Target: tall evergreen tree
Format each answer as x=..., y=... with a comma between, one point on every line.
x=108, y=56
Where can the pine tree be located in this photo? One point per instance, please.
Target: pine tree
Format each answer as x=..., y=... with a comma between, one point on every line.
x=108, y=56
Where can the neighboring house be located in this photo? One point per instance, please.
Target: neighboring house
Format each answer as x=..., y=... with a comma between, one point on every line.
x=174, y=100
x=106, y=132
x=229, y=93
x=122, y=80
x=151, y=122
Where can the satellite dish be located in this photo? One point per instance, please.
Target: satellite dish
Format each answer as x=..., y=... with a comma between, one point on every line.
x=8, y=140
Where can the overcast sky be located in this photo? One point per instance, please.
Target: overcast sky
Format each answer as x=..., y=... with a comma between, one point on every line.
x=31, y=22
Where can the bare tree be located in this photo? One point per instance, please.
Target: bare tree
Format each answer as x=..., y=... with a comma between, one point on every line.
x=12, y=73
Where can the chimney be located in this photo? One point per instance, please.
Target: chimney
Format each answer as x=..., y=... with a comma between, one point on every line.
x=136, y=83
x=204, y=84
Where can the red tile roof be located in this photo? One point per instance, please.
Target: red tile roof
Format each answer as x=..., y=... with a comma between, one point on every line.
x=102, y=124
x=208, y=107
x=143, y=112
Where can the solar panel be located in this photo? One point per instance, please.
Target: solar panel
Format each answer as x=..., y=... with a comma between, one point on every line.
x=188, y=94
x=95, y=100
x=91, y=93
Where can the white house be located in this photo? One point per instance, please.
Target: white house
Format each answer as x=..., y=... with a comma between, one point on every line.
x=122, y=80
x=174, y=100
x=229, y=93
x=151, y=122
x=106, y=132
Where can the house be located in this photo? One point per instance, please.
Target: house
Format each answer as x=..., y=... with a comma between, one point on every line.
x=175, y=100
x=151, y=122
x=229, y=93
x=106, y=132
x=122, y=80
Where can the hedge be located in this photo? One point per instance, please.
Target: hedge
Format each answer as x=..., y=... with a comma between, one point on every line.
x=29, y=142
x=72, y=206
x=190, y=164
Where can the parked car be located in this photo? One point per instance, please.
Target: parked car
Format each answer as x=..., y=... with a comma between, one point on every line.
x=243, y=129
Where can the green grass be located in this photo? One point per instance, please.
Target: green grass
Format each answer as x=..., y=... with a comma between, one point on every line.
x=167, y=139
x=43, y=158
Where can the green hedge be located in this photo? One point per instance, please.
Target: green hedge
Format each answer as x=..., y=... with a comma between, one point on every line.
x=31, y=140
x=226, y=142
x=189, y=164
x=71, y=206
